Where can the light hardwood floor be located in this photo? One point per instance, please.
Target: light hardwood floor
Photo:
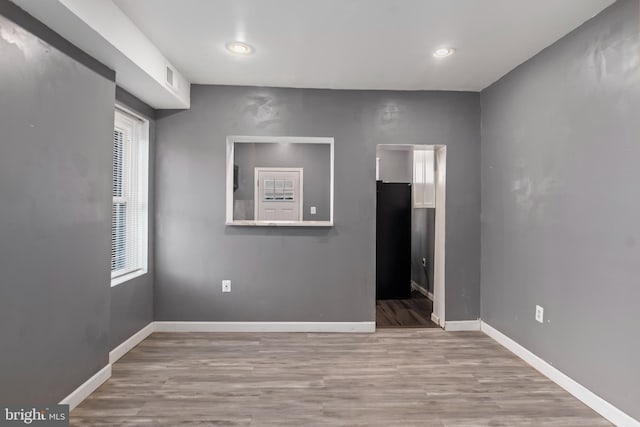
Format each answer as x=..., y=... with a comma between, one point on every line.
x=395, y=377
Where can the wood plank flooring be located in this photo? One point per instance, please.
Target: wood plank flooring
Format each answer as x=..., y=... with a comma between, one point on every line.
x=414, y=312
x=395, y=377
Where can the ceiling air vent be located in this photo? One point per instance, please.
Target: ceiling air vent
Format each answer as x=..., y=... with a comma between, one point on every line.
x=170, y=78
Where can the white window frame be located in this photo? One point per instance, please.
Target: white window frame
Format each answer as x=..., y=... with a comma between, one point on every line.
x=233, y=139
x=140, y=132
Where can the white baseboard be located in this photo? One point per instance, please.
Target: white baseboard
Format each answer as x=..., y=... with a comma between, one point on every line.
x=415, y=286
x=339, y=327
x=81, y=393
x=435, y=319
x=129, y=344
x=586, y=396
x=462, y=325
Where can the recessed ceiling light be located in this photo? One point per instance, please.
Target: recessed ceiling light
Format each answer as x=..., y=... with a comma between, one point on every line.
x=444, y=52
x=239, y=48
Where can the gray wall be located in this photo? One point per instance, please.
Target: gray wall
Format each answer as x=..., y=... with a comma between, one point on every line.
x=56, y=117
x=315, y=159
x=560, y=204
x=132, y=301
x=303, y=274
x=423, y=228
x=395, y=165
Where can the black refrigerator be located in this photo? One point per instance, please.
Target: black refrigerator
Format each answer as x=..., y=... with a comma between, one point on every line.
x=393, y=240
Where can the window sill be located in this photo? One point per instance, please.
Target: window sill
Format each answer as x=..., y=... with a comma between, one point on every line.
x=253, y=223
x=126, y=277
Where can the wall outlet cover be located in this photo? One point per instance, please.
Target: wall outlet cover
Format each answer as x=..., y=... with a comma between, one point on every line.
x=226, y=286
x=313, y=210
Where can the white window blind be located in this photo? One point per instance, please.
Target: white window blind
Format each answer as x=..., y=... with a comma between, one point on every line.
x=129, y=208
x=424, y=179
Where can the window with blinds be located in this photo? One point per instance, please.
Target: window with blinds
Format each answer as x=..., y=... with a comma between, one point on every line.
x=129, y=190
x=424, y=188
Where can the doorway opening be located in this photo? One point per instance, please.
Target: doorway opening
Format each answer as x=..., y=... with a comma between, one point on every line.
x=410, y=235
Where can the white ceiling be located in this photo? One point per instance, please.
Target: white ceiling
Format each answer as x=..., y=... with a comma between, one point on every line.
x=355, y=44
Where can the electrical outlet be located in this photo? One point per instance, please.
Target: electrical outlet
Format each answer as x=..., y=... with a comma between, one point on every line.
x=226, y=286
x=424, y=262
x=313, y=210
x=539, y=314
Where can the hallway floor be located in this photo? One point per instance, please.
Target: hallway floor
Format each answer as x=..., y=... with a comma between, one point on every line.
x=399, y=377
x=414, y=312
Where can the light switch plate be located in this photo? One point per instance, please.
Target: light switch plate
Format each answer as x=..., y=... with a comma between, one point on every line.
x=226, y=286
x=539, y=314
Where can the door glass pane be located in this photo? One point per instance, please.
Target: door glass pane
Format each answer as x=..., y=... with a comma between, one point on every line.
x=268, y=189
x=279, y=190
x=288, y=190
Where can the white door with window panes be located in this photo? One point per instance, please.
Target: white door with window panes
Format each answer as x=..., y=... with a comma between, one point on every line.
x=278, y=194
